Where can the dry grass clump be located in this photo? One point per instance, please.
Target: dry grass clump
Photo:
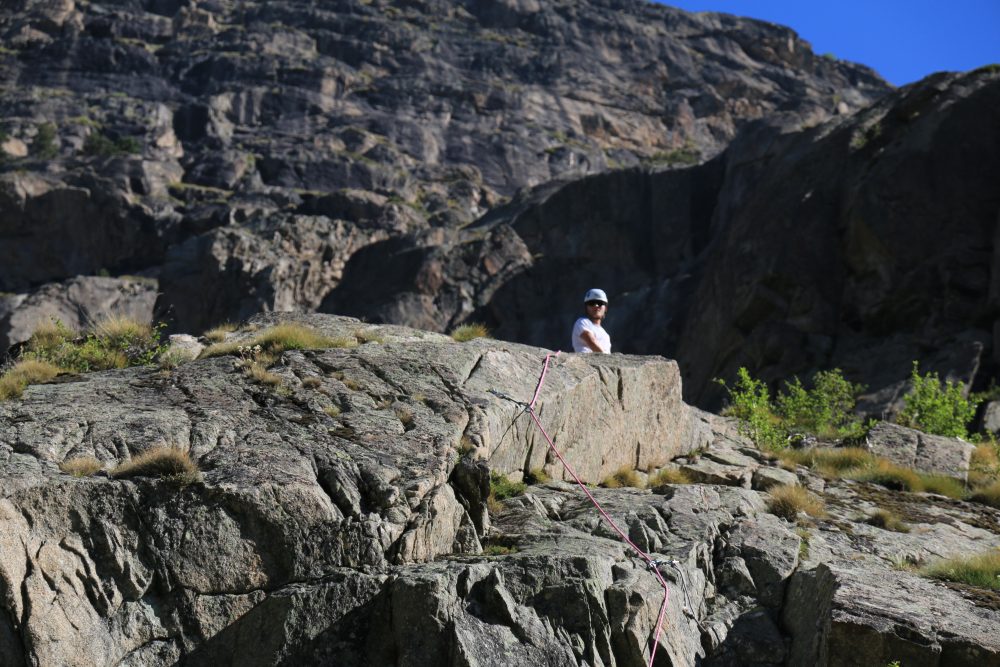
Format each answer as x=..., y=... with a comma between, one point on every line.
x=830, y=462
x=942, y=485
x=279, y=338
x=502, y=488
x=332, y=411
x=159, y=461
x=988, y=495
x=174, y=357
x=259, y=374
x=218, y=333
x=622, y=477
x=887, y=474
x=885, y=519
x=405, y=417
x=81, y=466
x=119, y=329
x=984, y=464
x=670, y=476
x=981, y=570
x=25, y=372
x=114, y=342
x=468, y=332
x=311, y=382
x=788, y=500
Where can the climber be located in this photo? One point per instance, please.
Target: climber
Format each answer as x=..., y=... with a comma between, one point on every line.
x=588, y=334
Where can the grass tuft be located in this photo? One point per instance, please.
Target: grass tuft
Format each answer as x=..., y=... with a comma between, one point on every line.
x=82, y=466
x=502, y=488
x=498, y=550
x=981, y=571
x=25, y=372
x=218, y=333
x=468, y=332
x=624, y=476
x=885, y=519
x=537, y=476
x=988, y=495
x=279, y=338
x=670, y=476
x=311, y=382
x=160, y=461
x=259, y=374
x=332, y=411
x=787, y=501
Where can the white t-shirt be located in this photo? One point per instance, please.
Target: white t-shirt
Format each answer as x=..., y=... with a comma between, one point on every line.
x=600, y=335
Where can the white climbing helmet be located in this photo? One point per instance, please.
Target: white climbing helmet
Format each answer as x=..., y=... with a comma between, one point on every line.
x=595, y=295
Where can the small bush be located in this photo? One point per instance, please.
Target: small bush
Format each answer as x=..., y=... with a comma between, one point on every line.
x=46, y=143
x=100, y=145
x=885, y=519
x=25, y=372
x=670, y=476
x=498, y=550
x=83, y=466
x=467, y=332
x=160, y=461
x=173, y=358
x=936, y=408
x=750, y=403
x=537, y=476
x=624, y=476
x=115, y=342
x=788, y=500
x=988, y=495
x=218, y=334
x=824, y=410
x=981, y=571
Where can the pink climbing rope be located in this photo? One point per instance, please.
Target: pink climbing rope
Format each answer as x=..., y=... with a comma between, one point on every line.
x=650, y=562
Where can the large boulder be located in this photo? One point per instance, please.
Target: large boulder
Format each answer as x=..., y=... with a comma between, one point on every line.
x=921, y=451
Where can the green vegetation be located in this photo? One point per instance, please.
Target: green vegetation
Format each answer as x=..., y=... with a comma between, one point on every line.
x=787, y=501
x=82, y=466
x=46, y=142
x=332, y=411
x=750, y=403
x=624, y=476
x=988, y=494
x=115, y=342
x=936, y=408
x=824, y=410
x=173, y=358
x=100, y=145
x=498, y=550
x=981, y=571
x=467, y=332
x=688, y=155
x=162, y=461
x=502, y=488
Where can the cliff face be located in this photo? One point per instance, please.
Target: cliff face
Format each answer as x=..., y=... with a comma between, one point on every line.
x=199, y=143
x=340, y=516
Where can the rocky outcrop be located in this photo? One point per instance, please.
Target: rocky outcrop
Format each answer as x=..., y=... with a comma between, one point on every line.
x=335, y=519
x=914, y=449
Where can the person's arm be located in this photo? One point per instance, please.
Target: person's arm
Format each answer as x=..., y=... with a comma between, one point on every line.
x=590, y=341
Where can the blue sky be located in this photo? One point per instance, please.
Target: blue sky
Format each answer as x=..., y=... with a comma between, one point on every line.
x=902, y=40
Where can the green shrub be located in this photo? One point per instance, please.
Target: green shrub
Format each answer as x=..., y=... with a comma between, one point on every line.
x=502, y=488
x=101, y=146
x=750, y=403
x=981, y=571
x=45, y=145
x=824, y=410
x=936, y=408
x=537, y=476
x=467, y=332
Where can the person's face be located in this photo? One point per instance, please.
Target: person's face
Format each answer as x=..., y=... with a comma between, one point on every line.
x=596, y=309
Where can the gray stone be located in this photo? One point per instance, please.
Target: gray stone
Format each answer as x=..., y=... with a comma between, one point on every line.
x=924, y=452
x=765, y=478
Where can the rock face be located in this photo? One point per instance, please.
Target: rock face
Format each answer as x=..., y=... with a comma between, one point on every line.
x=243, y=153
x=913, y=449
x=336, y=521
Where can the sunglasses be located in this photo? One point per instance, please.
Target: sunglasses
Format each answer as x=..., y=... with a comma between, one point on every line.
x=595, y=304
